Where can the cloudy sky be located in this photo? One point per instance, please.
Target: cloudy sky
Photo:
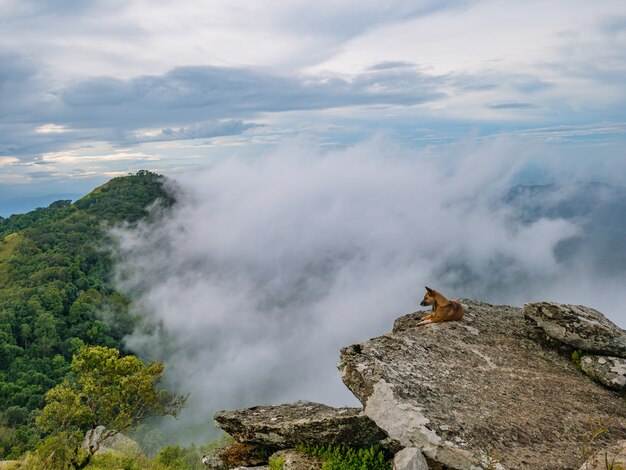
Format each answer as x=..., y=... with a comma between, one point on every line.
x=94, y=89
x=308, y=140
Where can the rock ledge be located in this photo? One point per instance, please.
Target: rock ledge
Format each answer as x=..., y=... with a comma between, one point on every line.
x=286, y=426
x=459, y=391
x=485, y=392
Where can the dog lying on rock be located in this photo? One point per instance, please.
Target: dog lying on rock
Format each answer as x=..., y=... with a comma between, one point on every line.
x=442, y=308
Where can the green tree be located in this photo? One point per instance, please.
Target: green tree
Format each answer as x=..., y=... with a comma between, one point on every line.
x=103, y=389
x=46, y=332
x=26, y=332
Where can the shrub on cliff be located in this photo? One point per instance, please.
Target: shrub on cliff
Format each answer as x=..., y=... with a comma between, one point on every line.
x=103, y=389
x=348, y=458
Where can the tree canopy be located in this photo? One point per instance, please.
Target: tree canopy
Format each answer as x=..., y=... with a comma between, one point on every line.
x=103, y=389
x=56, y=294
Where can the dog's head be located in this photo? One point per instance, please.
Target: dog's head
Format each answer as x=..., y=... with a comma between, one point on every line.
x=434, y=298
x=429, y=298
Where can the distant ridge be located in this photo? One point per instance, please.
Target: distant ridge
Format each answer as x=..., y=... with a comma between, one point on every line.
x=21, y=205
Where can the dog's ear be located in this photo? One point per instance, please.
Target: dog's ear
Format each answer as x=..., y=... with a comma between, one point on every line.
x=441, y=300
x=430, y=291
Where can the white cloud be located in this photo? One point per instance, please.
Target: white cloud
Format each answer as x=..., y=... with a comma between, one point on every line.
x=109, y=70
x=51, y=129
x=488, y=35
x=125, y=39
x=562, y=44
x=5, y=161
x=74, y=156
x=12, y=178
x=268, y=265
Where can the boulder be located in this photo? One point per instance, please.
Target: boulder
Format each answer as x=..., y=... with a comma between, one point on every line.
x=116, y=443
x=611, y=458
x=410, y=458
x=608, y=370
x=296, y=460
x=235, y=455
x=455, y=389
x=285, y=426
x=579, y=327
x=213, y=461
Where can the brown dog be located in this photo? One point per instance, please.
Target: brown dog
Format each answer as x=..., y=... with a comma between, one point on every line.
x=443, y=309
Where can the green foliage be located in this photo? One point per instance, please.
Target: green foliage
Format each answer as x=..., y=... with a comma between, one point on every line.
x=348, y=458
x=170, y=455
x=171, y=458
x=576, y=358
x=591, y=443
x=592, y=447
x=104, y=389
x=277, y=463
x=180, y=458
x=59, y=450
x=120, y=461
x=49, y=459
x=490, y=458
x=56, y=295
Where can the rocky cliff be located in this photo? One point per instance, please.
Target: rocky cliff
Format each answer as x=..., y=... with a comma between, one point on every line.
x=498, y=389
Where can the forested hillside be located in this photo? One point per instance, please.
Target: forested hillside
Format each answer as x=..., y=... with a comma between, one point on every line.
x=56, y=294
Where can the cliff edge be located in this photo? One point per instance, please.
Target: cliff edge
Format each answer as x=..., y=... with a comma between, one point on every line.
x=490, y=387
x=498, y=389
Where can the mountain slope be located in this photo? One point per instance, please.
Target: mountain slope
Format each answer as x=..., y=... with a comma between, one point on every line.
x=55, y=293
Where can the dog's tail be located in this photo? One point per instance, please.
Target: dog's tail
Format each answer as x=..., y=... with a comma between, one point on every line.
x=458, y=309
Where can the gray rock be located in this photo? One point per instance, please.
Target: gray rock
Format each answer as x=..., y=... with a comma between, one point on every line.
x=455, y=389
x=608, y=370
x=285, y=426
x=235, y=455
x=613, y=457
x=213, y=461
x=296, y=460
x=410, y=458
x=580, y=327
x=118, y=442
x=212, y=458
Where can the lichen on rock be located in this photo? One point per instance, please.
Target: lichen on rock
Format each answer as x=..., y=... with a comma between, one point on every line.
x=483, y=392
x=578, y=326
x=608, y=370
x=409, y=458
x=455, y=389
x=288, y=425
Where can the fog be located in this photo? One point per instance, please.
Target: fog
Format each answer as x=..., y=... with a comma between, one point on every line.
x=267, y=266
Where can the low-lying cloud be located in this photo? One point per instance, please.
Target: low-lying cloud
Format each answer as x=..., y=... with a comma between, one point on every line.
x=266, y=267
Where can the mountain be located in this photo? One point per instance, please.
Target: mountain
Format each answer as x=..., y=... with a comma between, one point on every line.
x=56, y=293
